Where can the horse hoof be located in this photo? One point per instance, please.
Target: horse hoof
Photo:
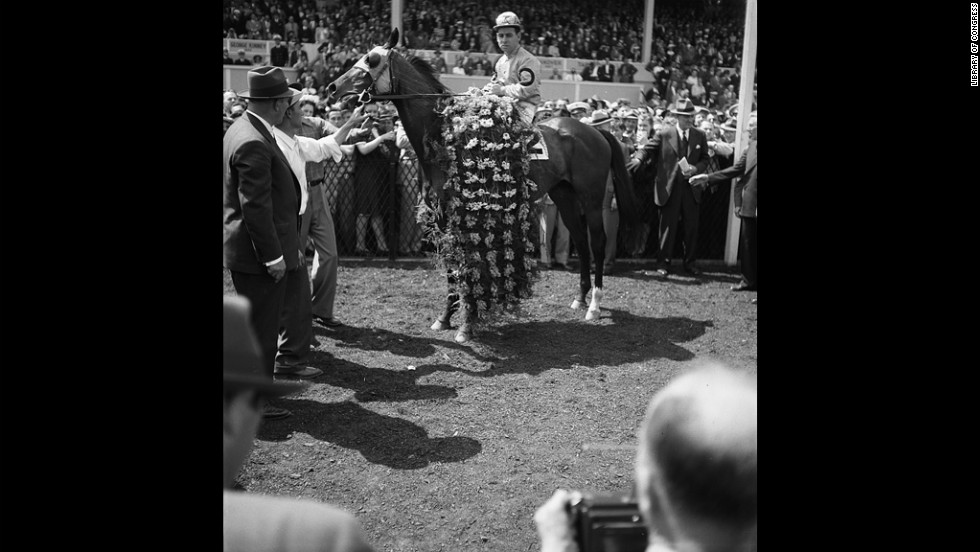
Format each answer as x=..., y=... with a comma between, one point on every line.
x=462, y=337
x=440, y=325
x=576, y=304
x=593, y=314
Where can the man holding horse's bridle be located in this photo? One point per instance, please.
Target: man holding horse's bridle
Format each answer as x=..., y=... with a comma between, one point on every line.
x=517, y=73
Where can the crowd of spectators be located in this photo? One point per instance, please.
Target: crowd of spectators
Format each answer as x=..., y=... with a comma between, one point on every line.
x=695, y=50
x=694, y=55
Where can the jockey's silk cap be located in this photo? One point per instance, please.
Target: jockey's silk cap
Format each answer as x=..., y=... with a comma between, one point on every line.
x=508, y=19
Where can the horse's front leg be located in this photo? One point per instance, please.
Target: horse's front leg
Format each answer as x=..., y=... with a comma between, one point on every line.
x=452, y=304
x=465, y=331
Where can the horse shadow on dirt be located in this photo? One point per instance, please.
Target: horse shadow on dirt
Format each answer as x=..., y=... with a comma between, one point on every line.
x=534, y=347
x=525, y=347
x=385, y=440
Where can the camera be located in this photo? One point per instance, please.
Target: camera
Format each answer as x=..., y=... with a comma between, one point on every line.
x=608, y=523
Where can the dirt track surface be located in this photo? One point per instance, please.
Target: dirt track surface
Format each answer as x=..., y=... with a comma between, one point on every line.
x=435, y=445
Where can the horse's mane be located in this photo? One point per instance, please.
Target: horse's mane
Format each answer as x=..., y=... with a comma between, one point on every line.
x=428, y=74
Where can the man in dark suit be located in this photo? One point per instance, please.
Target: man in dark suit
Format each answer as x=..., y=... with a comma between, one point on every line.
x=261, y=209
x=745, y=203
x=673, y=193
x=606, y=71
x=279, y=54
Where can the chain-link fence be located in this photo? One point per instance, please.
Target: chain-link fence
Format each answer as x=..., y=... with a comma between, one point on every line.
x=392, y=231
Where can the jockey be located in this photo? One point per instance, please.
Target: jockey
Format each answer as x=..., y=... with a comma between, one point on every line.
x=517, y=72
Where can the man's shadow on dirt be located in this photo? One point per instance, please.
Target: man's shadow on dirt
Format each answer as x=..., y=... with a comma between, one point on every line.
x=383, y=384
x=681, y=279
x=376, y=339
x=384, y=440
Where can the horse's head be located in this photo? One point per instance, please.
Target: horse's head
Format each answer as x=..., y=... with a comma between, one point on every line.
x=370, y=74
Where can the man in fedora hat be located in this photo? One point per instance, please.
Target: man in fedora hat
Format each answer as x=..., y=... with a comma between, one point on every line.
x=261, y=198
x=517, y=72
x=675, y=146
x=253, y=521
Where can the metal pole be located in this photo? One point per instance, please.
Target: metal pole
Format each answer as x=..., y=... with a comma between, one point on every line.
x=647, y=32
x=744, y=108
x=396, y=19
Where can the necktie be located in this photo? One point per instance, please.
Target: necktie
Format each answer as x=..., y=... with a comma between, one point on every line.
x=684, y=143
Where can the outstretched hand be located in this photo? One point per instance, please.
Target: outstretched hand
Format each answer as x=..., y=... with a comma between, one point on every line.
x=555, y=525
x=699, y=180
x=632, y=164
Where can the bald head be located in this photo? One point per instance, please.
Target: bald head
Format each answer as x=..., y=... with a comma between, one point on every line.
x=697, y=463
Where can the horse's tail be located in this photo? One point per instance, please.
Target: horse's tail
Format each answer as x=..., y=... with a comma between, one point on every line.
x=622, y=182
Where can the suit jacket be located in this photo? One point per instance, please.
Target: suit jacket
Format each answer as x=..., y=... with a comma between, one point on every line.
x=747, y=188
x=260, y=523
x=665, y=148
x=261, y=200
x=606, y=72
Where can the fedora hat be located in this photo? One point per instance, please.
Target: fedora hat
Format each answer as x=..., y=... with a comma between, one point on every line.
x=267, y=83
x=508, y=19
x=684, y=107
x=242, y=358
x=600, y=117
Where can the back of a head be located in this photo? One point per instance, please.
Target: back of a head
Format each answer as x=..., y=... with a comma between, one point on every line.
x=698, y=460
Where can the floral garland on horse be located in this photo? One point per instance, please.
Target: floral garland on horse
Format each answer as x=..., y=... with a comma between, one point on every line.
x=489, y=234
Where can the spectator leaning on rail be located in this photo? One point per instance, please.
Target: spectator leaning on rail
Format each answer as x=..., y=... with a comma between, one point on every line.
x=517, y=73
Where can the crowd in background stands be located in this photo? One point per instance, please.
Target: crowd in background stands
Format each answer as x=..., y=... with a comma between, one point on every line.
x=695, y=53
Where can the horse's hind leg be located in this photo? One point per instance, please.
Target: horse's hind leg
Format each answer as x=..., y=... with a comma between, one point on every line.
x=570, y=214
x=598, y=234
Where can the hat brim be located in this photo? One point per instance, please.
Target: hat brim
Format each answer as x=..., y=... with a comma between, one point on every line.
x=602, y=122
x=290, y=93
x=688, y=113
x=263, y=386
x=496, y=27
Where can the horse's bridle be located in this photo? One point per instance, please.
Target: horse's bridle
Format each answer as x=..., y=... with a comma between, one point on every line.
x=366, y=95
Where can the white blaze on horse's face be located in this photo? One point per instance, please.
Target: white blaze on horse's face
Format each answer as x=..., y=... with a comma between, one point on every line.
x=379, y=74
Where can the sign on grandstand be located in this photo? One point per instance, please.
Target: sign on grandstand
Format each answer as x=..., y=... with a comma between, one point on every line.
x=251, y=47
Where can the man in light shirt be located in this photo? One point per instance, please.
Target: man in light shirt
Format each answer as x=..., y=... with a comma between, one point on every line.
x=297, y=313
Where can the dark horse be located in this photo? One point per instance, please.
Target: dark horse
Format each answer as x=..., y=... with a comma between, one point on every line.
x=581, y=158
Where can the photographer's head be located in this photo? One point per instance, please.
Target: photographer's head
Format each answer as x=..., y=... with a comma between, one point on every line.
x=697, y=463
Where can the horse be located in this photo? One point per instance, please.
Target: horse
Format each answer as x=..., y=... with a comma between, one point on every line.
x=580, y=159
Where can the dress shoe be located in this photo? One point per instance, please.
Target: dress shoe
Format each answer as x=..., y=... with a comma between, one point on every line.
x=328, y=322
x=742, y=286
x=270, y=412
x=692, y=270
x=301, y=372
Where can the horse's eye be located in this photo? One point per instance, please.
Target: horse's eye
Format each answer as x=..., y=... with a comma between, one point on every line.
x=373, y=60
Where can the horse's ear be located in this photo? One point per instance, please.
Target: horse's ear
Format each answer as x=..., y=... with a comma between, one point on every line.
x=393, y=39
x=373, y=59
